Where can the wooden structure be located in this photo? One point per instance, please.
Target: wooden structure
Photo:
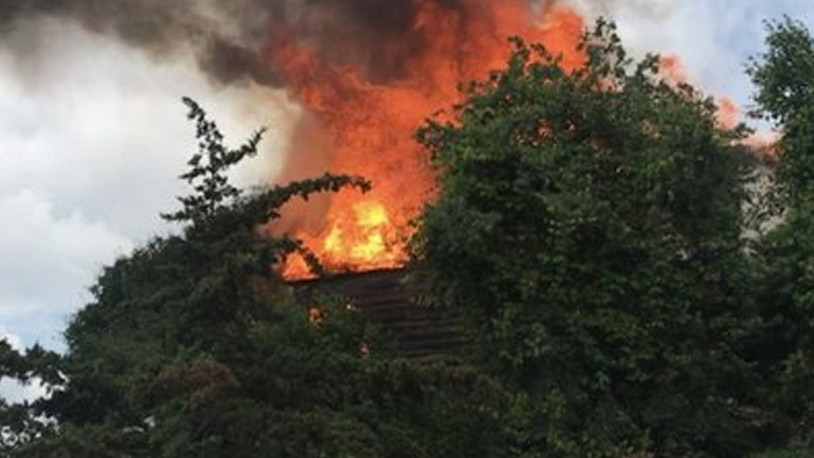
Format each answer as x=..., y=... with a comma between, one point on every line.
x=389, y=301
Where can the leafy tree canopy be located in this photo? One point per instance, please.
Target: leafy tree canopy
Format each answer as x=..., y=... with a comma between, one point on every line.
x=589, y=225
x=785, y=94
x=193, y=346
x=590, y=228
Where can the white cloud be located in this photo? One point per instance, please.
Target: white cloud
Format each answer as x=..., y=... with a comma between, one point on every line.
x=713, y=38
x=92, y=139
x=47, y=261
x=10, y=390
x=12, y=339
x=14, y=392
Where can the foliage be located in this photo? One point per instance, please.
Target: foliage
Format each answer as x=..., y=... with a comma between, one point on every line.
x=193, y=346
x=591, y=229
x=589, y=226
x=790, y=453
x=785, y=95
x=784, y=77
x=18, y=423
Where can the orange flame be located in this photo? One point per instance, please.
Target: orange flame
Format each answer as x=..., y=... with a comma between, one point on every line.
x=364, y=126
x=672, y=69
x=361, y=239
x=371, y=123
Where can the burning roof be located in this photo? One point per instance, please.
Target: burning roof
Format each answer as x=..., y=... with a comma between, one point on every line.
x=367, y=73
x=389, y=301
x=368, y=119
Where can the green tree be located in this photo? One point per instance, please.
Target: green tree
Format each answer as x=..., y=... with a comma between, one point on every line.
x=589, y=226
x=784, y=77
x=18, y=423
x=194, y=346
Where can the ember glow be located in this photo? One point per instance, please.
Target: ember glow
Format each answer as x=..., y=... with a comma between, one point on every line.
x=370, y=121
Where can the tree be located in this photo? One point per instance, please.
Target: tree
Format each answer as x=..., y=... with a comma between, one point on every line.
x=785, y=96
x=589, y=227
x=18, y=423
x=194, y=346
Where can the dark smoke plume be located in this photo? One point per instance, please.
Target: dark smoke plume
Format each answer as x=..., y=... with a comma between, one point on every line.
x=229, y=37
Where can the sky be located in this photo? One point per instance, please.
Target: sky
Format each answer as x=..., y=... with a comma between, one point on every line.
x=93, y=136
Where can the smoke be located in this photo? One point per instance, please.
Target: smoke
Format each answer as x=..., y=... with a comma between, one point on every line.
x=230, y=38
x=592, y=9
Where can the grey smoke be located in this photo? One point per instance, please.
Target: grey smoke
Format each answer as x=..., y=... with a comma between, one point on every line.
x=652, y=9
x=230, y=37
x=593, y=9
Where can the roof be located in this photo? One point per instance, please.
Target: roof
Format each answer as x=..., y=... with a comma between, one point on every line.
x=390, y=301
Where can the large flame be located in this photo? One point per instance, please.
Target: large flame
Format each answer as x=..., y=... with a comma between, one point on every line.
x=371, y=123
x=729, y=115
x=366, y=124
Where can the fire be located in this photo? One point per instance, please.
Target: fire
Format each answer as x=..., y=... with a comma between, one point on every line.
x=362, y=123
x=672, y=68
x=369, y=121
x=361, y=238
x=674, y=72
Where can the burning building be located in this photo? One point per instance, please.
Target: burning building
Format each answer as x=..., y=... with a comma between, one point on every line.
x=368, y=106
x=362, y=110
x=366, y=73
